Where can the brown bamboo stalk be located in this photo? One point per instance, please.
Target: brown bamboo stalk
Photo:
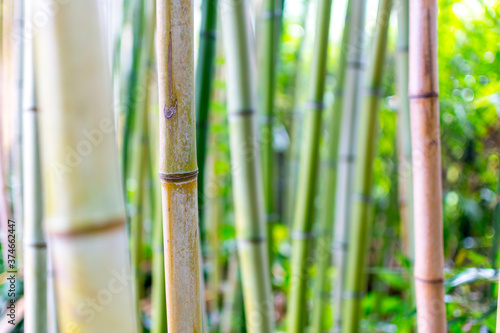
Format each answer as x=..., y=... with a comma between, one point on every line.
x=178, y=167
x=426, y=155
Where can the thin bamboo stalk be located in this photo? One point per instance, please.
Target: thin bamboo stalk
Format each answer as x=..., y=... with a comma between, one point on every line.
x=35, y=247
x=178, y=167
x=304, y=211
x=353, y=51
x=83, y=211
x=426, y=161
x=247, y=182
x=325, y=230
x=268, y=39
x=231, y=294
x=203, y=87
x=404, y=132
x=362, y=205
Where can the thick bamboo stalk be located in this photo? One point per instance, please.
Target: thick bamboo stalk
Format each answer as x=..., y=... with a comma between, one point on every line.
x=268, y=39
x=326, y=219
x=362, y=206
x=204, y=75
x=304, y=211
x=83, y=206
x=247, y=181
x=426, y=161
x=353, y=51
x=178, y=167
x=35, y=247
x=404, y=132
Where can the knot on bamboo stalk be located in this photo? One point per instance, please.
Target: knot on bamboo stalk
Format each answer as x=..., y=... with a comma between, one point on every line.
x=178, y=177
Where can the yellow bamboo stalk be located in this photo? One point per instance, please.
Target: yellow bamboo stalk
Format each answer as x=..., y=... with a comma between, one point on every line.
x=83, y=203
x=178, y=168
x=426, y=161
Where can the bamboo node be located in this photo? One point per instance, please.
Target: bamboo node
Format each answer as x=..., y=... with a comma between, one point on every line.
x=241, y=113
x=363, y=198
x=315, y=105
x=353, y=294
x=252, y=240
x=176, y=177
x=430, y=94
x=91, y=229
x=359, y=65
x=209, y=34
x=428, y=281
x=271, y=14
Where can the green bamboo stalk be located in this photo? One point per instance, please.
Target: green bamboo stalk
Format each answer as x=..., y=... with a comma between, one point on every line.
x=83, y=208
x=178, y=167
x=247, y=182
x=268, y=39
x=325, y=230
x=230, y=296
x=304, y=212
x=203, y=88
x=423, y=92
x=362, y=201
x=35, y=247
x=353, y=51
x=405, y=171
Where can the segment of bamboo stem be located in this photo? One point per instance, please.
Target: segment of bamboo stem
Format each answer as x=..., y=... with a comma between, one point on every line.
x=353, y=51
x=362, y=206
x=326, y=219
x=178, y=167
x=35, y=247
x=404, y=132
x=231, y=295
x=83, y=206
x=267, y=39
x=203, y=85
x=426, y=161
x=247, y=181
x=306, y=190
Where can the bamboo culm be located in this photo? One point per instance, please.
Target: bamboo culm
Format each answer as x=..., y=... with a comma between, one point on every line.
x=362, y=205
x=84, y=213
x=35, y=246
x=203, y=87
x=306, y=186
x=426, y=165
x=246, y=176
x=353, y=51
x=327, y=213
x=178, y=166
x=267, y=39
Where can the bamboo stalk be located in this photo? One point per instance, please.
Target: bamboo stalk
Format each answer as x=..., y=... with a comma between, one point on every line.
x=83, y=210
x=304, y=211
x=406, y=183
x=426, y=161
x=247, y=182
x=231, y=294
x=362, y=205
x=353, y=51
x=35, y=247
x=203, y=86
x=325, y=230
x=268, y=39
x=178, y=167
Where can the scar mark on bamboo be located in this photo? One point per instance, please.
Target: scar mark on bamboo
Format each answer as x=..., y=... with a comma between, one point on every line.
x=170, y=111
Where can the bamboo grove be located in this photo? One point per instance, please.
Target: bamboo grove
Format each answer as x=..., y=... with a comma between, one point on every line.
x=234, y=166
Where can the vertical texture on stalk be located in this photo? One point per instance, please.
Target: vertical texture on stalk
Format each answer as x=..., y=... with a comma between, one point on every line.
x=267, y=39
x=83, y=205
x=204, y=74
x=247, y=181
x=178, y=167
x=35, y=247
x=404, y=132
x=353, y=50
x=362, y=205
x=426, y=157
x=325, y=228
x=304, y=209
